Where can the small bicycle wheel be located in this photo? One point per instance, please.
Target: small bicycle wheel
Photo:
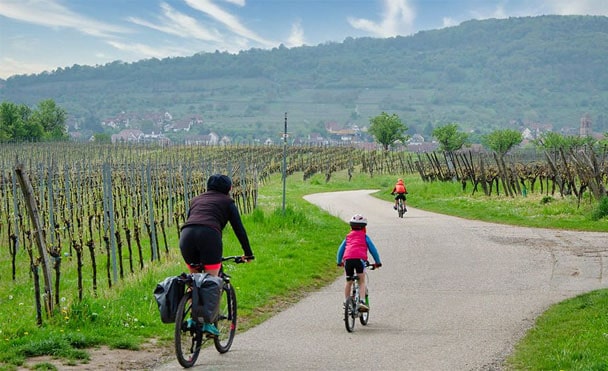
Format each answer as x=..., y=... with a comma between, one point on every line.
x=349, y=314
x=364, y=316
x=188, y=335
x=226, y=321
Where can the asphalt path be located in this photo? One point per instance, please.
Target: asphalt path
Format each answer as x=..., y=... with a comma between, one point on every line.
x=452, y=294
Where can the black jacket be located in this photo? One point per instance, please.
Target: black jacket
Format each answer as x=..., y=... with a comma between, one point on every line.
x=215, y=209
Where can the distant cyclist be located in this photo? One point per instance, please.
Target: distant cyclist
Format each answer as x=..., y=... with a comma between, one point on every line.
x=352, y=255
x=400, y=191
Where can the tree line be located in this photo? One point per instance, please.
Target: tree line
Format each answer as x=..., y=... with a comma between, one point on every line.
x=20, y=123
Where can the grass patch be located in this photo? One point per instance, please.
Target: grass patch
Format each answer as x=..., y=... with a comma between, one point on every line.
x=571, y=335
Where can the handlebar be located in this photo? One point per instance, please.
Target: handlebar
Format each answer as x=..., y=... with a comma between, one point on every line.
x=238, y=259
x=367, y=265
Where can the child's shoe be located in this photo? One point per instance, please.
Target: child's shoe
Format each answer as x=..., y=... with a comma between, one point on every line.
x=363, y=307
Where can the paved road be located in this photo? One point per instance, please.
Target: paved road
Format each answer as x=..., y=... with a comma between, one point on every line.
x=453, y=294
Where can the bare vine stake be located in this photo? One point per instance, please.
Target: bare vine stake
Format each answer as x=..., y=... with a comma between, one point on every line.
x=109, y=222
x=16, y=211
x=30, y=202
x=152, y=224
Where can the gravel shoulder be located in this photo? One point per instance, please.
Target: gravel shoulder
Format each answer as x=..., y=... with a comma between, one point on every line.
x=453, y=294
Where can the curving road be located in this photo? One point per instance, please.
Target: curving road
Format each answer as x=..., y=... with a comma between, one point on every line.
x=453, y=294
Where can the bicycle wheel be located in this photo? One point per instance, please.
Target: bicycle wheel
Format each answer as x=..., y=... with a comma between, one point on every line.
x=349, y=314
x=226, y=321
x=401, y=209
x=188, y=335
x=364, y=316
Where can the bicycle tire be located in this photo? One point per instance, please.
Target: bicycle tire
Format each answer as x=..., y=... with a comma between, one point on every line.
x=188, y=340
x=349, y=314
x=364, y=316
x=227, y=319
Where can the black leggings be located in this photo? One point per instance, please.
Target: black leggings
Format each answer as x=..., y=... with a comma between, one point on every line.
x=353, y=265
x=201, y=245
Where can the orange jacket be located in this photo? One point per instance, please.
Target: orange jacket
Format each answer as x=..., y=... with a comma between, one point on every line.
x=399, y=187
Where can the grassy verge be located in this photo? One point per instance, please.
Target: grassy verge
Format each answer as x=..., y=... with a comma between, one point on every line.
x=294, y=255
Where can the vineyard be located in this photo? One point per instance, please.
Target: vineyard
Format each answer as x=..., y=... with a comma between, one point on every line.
x=562, y=172
x=106, y=211
x=101, y=213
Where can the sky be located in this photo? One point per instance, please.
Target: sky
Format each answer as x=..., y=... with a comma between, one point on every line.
x=43, y=35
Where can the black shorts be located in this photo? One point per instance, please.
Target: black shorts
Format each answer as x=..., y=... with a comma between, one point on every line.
x=400, y=196
x=201, y=245
x=353, y=265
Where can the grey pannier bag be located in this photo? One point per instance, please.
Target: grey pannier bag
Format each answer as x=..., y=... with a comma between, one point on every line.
x=206, y=293
x=168, y=294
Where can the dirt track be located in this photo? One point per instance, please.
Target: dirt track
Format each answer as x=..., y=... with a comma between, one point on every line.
x=453, y=294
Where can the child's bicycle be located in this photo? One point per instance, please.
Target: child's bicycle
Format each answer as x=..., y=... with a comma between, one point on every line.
x=351, y=306
x=189, y=336
x=400, y=208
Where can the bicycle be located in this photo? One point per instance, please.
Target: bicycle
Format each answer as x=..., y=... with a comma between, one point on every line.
x=400, y=207
x=189, y=337
x=351, y=306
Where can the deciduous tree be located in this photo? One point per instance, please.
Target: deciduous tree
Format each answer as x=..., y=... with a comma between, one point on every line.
x=387, y=129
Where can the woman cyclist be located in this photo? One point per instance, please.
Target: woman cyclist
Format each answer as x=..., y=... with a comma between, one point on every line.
x=200, y=240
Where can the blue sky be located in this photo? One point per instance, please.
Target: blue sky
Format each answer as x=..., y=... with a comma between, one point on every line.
x=42, y=35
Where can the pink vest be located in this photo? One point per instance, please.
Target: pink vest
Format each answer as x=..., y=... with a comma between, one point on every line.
x=356, y=245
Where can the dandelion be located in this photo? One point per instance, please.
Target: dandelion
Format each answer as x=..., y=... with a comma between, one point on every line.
x=10, y=297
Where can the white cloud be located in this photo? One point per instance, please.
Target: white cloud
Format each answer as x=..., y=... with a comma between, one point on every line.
x=10, y=67
x=52, y=14
x=296, y=38
x=449, y=22
x=145, y=51
x=581, y=7
x=397, y=19
x=498, y=12
x=228, y=20
x=236, y=2
x=179, y=24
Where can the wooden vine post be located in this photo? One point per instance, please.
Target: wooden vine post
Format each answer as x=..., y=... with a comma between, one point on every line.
x=32, y=209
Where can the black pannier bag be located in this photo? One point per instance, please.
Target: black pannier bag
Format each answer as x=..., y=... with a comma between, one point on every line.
x=206, y=297
x=168, y=294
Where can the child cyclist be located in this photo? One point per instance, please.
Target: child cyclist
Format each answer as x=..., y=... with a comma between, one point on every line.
x=401, y=191
x=352, y=255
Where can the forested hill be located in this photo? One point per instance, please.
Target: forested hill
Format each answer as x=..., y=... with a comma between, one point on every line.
x=480, y=74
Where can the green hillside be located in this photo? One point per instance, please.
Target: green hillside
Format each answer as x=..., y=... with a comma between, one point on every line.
x=480, y=74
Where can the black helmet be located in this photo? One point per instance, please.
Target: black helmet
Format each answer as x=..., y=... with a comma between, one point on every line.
x=220, y=183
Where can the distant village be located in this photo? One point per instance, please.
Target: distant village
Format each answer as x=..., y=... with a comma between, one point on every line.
x=129, y=130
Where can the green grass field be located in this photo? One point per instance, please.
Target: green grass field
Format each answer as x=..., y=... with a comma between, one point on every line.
x=126, y=316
